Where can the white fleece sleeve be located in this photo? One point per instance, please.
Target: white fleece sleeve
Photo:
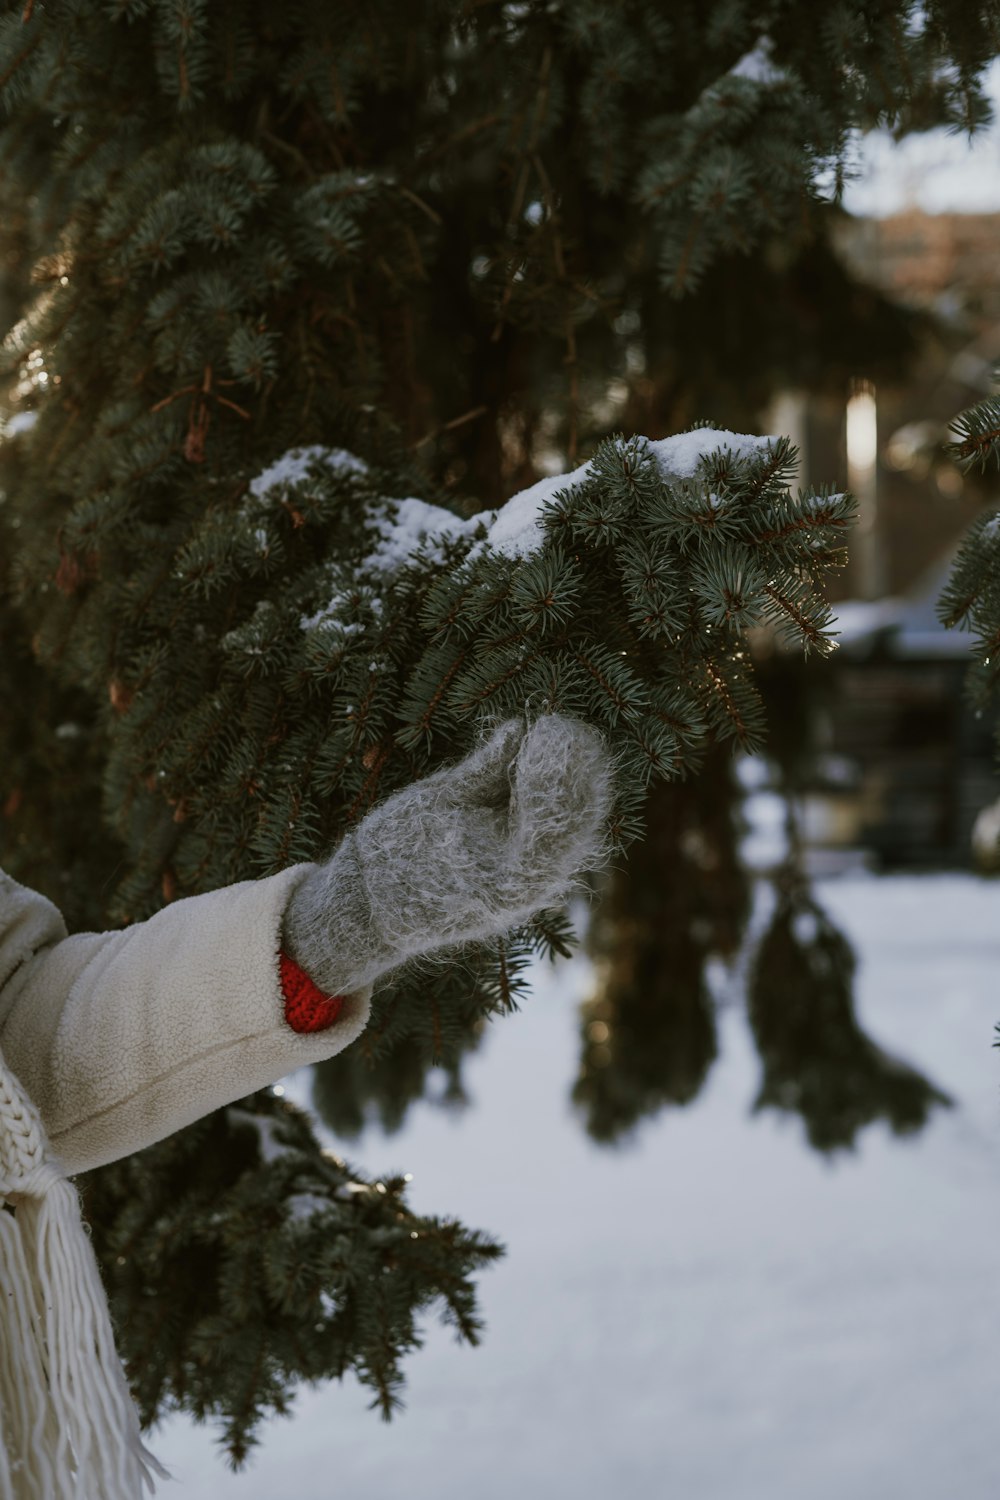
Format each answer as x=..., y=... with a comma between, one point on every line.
x=121, y=1038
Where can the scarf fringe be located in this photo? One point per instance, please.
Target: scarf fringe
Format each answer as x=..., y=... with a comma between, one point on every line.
x=69, y=1429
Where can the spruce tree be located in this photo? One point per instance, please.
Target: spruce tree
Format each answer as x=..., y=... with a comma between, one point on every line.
x=276, y=271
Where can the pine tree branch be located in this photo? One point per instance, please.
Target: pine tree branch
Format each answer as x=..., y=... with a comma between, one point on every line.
x=809, y=630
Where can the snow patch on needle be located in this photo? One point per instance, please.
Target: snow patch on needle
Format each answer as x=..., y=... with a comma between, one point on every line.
x=294, y=466
x=758, y=66
x=679, y=456
x=516, y=530
x=414, y=521
x=402, y=529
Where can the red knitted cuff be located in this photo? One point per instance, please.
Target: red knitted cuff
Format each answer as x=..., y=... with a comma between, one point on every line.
x=306, y=1006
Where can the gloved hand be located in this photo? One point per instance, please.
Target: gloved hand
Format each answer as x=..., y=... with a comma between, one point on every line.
x=465, y=854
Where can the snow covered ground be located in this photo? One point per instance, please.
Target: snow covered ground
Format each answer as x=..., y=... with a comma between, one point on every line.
x=713, y=1313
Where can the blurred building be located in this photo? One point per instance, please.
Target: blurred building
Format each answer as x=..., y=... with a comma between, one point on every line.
x=902, y=765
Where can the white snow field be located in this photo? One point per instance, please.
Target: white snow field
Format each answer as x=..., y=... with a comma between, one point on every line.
x=714, y=1312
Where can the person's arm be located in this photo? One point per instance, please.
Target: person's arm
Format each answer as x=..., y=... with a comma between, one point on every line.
x=122, y=1038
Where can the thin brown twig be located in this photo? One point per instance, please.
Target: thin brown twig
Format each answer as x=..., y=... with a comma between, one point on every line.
x=431, y=213
x=239, y=410
x=463, y=135
x=791, y=608
x=286, y=146
x=574, y=390
x=721, y=686
x=541, y=99
x=469, y=416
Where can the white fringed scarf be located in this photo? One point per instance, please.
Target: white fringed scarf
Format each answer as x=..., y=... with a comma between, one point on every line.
x=68, y=1427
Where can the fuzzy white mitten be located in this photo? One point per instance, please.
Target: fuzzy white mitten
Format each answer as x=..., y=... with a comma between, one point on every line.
x=463, y=855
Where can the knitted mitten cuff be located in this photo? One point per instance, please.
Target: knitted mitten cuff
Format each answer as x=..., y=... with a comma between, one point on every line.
x=328, y=927
x=307, y=1007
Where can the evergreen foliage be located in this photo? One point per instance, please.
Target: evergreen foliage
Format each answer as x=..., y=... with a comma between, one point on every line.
x=817, y=1062
x=684, y=900
x=392, y=650
x=971, y=598
x=288, y=268
x=272, y=1262
x=648, y=1033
